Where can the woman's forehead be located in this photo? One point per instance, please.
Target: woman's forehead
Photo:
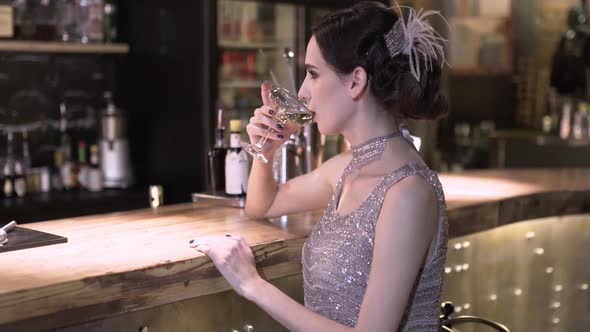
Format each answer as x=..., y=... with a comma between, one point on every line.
x=313, y=55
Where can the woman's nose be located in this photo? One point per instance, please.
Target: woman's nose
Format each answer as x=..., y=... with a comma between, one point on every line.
x=303, y=93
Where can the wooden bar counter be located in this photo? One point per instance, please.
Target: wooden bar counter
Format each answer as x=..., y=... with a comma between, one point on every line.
x=135, y=271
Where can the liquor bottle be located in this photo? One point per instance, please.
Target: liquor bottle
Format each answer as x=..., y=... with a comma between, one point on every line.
x=67, y=166
x=8, y=169
x=551, y=119
x=2, y=181
x=82, y=166
x=236, y=162
x=566, y=120
x=58, y=161
x=2, y=176
x=44, y=19
x=90, y=14
x=110, y=21
x=26, y=153
x=7, y=180
x=6, y=20
x=20, y=182
x=216, y=157
x=95, y=179
x=578, y=124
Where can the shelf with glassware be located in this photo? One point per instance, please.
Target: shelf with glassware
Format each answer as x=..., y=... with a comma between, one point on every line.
x=240, y=83
x=238, y=44
x=33, y=46
x=480, y=37
x=60, y=26
x=256, y=42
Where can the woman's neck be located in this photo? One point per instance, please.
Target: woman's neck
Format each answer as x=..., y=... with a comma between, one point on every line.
x=368, y=124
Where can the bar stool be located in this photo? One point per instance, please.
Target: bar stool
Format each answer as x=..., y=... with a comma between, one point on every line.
x=447, y=323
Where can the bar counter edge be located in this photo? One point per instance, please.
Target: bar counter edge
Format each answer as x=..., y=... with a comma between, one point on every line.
x=120, y=263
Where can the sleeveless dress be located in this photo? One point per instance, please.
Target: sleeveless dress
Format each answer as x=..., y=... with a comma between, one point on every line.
x=338, y=253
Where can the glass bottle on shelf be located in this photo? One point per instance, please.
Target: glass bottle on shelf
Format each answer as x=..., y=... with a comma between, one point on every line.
x=20, y=182
x=236, y=162
x=24, y=20
x=67, y=167
x=2, y=163
x=566, y=120
x=95, y=178
x=266, y=20
x=90, y=20
x=81, y=173
x=56, y=178
x=26, y=152
x=8, y=179
x=216, y=156
x=45, y=22
x=6, y=20
x=110, y=21
x=66, y=24
x=229, y=21
x=8, y=169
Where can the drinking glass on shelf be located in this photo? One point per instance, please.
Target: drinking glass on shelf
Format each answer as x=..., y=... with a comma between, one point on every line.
x=67, y=25
x=288, y=108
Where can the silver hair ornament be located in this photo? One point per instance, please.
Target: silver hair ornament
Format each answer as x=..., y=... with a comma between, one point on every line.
x=416, y=38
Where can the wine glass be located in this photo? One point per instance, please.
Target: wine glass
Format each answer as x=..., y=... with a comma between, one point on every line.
x=288, y=108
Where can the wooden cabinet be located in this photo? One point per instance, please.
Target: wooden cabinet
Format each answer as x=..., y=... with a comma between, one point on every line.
x=220, y=312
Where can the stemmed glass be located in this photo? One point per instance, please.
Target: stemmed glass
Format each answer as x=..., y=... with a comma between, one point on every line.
x=288, y=108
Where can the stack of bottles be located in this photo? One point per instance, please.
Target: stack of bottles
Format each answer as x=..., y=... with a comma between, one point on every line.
x=567, y=117
x=228, y=166
x=76, y=162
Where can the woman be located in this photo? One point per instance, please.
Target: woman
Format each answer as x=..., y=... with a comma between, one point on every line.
x=375, y=260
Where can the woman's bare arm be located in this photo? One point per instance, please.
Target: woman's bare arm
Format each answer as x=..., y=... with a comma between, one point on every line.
x=307, y=192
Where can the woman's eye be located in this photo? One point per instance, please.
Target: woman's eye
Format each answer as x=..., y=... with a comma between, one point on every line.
x=312, y=75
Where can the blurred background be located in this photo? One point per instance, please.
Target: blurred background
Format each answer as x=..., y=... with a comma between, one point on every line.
x=99, y=99
x=141, y=84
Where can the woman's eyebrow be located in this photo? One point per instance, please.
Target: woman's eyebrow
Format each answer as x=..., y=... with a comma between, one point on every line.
x=308, y=66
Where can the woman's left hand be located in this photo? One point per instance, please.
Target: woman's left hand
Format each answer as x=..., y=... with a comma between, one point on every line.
x=233, y=258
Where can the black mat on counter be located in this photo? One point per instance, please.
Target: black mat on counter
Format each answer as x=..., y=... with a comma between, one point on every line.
x=24, y=238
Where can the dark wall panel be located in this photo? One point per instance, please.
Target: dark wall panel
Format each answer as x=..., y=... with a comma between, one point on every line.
x=166, y=88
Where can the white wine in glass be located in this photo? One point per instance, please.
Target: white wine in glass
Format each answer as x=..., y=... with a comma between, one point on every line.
x=288, y=108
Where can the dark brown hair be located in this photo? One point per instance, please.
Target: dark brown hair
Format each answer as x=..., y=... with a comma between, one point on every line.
x=353, y=37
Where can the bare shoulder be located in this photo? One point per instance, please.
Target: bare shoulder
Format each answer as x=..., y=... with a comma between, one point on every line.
x=413, y=187
x=412, y=200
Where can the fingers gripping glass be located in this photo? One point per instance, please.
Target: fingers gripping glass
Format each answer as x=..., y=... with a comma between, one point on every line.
x=288, y=108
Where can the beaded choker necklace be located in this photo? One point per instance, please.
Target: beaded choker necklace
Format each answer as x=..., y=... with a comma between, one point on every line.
x=371, y=150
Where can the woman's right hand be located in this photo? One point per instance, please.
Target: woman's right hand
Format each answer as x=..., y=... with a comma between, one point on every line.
x=263, y=119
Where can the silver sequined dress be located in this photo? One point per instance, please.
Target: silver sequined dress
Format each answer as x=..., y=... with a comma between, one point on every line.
x=338, y=253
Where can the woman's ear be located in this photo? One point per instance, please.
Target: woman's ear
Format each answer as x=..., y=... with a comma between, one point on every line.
x=358, y=83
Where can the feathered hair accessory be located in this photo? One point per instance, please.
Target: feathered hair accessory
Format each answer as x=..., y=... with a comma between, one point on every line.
x=417, y=39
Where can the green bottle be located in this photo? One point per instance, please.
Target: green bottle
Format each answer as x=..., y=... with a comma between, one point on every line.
x=110, y=21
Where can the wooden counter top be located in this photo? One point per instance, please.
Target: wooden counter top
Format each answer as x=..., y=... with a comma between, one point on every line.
x=121, y=262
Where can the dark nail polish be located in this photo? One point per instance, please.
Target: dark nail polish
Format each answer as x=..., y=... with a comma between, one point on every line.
x=281, y=136
x=191, y=241
x=271, y=112
x=281, y=126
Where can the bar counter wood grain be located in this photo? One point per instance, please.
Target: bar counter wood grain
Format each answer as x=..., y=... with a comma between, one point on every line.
x=124, y=262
